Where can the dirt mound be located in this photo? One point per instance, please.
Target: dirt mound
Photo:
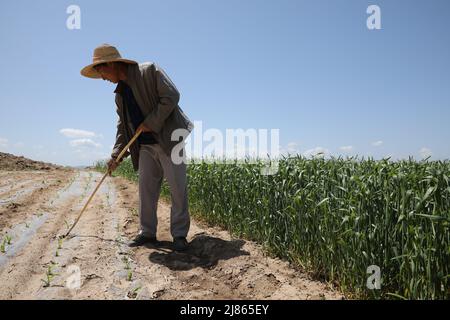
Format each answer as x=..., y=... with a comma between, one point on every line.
x=11, y=162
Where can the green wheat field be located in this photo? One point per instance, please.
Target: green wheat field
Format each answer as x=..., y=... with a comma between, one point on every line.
x=333, y=218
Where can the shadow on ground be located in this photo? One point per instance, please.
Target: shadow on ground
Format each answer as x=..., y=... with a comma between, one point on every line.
x=204, y=251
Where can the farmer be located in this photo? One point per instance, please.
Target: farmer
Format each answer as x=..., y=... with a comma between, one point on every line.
x=147, y=99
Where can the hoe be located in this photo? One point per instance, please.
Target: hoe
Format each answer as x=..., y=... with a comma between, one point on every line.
x=138, y=132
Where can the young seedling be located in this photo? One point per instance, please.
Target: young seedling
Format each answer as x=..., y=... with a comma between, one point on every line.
x=49, y=276
x=129, y=275
x=134, y=212
x=6, y=241
x=60, y=242
x=133, y=294
x=127, y=263
x=67, y=224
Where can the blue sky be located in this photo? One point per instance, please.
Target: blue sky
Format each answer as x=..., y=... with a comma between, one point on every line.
x=309, y=68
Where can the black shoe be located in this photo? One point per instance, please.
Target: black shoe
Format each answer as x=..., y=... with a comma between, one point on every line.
x=180, y=244
x=140, y=240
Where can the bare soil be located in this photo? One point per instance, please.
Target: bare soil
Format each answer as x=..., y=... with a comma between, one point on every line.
x=96, y=263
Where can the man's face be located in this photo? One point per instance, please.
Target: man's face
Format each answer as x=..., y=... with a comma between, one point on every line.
x=109, y=72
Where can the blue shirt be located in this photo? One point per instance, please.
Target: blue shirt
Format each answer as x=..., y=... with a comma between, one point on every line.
x=135, y=112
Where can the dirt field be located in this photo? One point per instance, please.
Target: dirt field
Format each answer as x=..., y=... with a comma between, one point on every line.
x=38, y=205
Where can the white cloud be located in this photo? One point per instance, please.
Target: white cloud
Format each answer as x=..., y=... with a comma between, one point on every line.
x=425, y=153
x=346, y=148
x=377, y=143
x=317, y=152
x=19, y=145
x=292, y=147
x=3, y=142
x=77, y=133
x=84, y=143
x=90, y=156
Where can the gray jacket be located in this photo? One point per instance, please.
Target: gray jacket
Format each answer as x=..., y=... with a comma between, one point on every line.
x=158, y=99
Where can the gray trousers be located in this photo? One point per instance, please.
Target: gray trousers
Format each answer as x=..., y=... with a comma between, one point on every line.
x=154, y=165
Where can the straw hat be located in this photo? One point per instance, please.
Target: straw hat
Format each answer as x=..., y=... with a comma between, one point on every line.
x=103, y=53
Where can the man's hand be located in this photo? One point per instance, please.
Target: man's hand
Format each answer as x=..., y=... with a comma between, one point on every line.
x=112, y=165
x=144, y=128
